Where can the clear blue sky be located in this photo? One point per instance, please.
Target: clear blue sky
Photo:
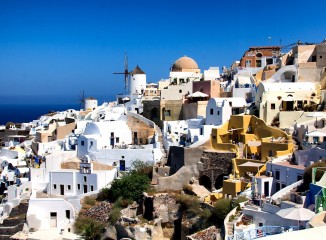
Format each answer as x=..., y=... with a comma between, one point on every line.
x=52, y=50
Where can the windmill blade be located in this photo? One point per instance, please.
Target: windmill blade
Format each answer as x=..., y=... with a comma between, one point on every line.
x=125, y=73
x=82, y=98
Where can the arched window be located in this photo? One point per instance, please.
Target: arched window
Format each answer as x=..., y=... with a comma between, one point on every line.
x=259, y=55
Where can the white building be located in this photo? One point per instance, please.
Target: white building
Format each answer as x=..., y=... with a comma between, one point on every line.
x=213, y=73
x=219, y=110
x=272, y=98
x=244, y=86
x=71, y=182
x=50, y=213
x=90, y=104
x=284, y=174
x=115, y=143
x=137, y=82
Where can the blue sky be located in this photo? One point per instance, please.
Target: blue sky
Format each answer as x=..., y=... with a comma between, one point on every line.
x=52, y=50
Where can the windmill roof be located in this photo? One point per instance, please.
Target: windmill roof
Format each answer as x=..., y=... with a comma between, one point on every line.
x=137, y=70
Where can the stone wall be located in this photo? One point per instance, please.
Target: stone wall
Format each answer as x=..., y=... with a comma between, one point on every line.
x=215, y=165
x=144, y=132
x=183, y=167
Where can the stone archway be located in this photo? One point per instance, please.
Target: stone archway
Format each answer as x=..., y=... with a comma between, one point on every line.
x=219, y=181
x=154, y=114
x=206, y=182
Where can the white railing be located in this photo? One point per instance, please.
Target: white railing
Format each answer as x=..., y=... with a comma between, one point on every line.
x=262, y=232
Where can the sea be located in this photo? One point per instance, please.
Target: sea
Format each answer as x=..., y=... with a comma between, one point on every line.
x=24, y=113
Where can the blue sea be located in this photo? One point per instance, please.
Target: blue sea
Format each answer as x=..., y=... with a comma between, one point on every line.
x=19, y=113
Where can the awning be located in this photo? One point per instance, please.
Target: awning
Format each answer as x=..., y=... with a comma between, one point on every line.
x=251, y=164
x=197, y=94
x=316, y=134
x=288, y=99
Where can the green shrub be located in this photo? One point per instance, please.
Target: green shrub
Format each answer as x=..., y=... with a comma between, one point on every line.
x=103, y=194
x=90, y=200
x=239, y=199
x=130, y=186
x=191, y=204
x=221, y=208
x=188, y=188
x=231, y=218
x=114, y=214
x=89, y=228
x=141, y=167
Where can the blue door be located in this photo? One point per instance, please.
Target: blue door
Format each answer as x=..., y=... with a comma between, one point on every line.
x=122, y=165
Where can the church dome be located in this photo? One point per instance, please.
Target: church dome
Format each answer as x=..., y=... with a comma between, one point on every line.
x=184, y=63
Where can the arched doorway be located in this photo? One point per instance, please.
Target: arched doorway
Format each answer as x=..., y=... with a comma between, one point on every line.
x=219, y=181
x=206, y=182
x=154, y=114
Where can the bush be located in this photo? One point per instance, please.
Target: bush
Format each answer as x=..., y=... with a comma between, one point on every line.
x=114, y=214
x=188, y=189
x=130, y=186
x=236, y=201
x=103, y=195
x=221, y=208
x=141, y=167
x=90, y=200
x=89, y=228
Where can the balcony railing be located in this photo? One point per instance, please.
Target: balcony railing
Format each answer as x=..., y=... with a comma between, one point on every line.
x=262, y=232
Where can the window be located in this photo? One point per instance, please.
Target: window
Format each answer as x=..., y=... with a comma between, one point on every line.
x=112, y=134
x=259, y=55
x=218, y=112
x=78, y=186
x=180, y=90
x=55, y=186
x=277, y=174
x=85, y=179
x=320, y=56
x=68, y=214
x=117, y=140
x=230, y=104
x=167, y=113
x=273, y=106
x=269, y=61
x=69, y=187
x=248, y=63
x=82, y=143
x=211, y=111
x=315, y=139
x=278, y=186
x=258, y=63
x=92, y=187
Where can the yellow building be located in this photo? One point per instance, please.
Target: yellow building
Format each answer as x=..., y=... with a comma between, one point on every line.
x=254, y=143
